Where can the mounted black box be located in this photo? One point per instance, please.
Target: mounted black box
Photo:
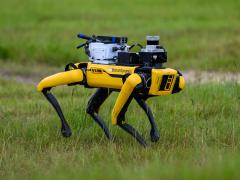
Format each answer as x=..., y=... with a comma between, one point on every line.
x=128, y=58
x=152, y=58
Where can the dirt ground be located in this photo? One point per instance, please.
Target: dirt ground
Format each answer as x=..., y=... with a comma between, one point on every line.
x=205, y=77
x=191, y=76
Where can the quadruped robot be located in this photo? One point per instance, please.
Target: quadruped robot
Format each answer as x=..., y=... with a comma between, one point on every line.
x=114, y=67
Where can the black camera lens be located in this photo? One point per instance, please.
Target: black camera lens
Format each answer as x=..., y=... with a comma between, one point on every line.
x=152, y=40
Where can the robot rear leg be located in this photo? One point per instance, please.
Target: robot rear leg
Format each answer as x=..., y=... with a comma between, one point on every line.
x=63, y=78
x=93, y=107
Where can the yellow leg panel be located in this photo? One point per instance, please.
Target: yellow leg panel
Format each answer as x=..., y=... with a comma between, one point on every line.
x=127, y=89
x=62, y=78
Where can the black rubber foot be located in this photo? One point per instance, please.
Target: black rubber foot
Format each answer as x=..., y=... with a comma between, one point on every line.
x=66, y=133
x=154, y=136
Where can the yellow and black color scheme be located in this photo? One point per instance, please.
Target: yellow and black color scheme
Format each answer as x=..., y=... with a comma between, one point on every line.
x=137, y=82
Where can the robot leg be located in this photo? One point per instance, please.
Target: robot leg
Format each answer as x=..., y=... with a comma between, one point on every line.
x=132, y=83
x=65, y=129
x=58, y=79
x=154, y=133
x=93, y=107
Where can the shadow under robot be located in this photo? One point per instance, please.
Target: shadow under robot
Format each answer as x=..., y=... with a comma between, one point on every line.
x=113, y=67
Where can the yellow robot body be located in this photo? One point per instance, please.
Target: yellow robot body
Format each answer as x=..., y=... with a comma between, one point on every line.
x=111, y=76
x=106, y=76
x=136, y=76
x=162, y=81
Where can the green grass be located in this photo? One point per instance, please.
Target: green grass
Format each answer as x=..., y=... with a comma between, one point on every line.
x=199, y=127
x=197, y=34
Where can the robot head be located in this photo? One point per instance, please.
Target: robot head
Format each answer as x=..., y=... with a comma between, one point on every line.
x=179, y=84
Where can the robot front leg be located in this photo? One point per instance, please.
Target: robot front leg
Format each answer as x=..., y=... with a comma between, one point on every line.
x=154, y=133
x=93, y=107
x=129, y=88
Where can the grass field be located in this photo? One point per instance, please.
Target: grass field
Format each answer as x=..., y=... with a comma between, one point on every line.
x=200, y=129
x=200, y=133
x=197, y=34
